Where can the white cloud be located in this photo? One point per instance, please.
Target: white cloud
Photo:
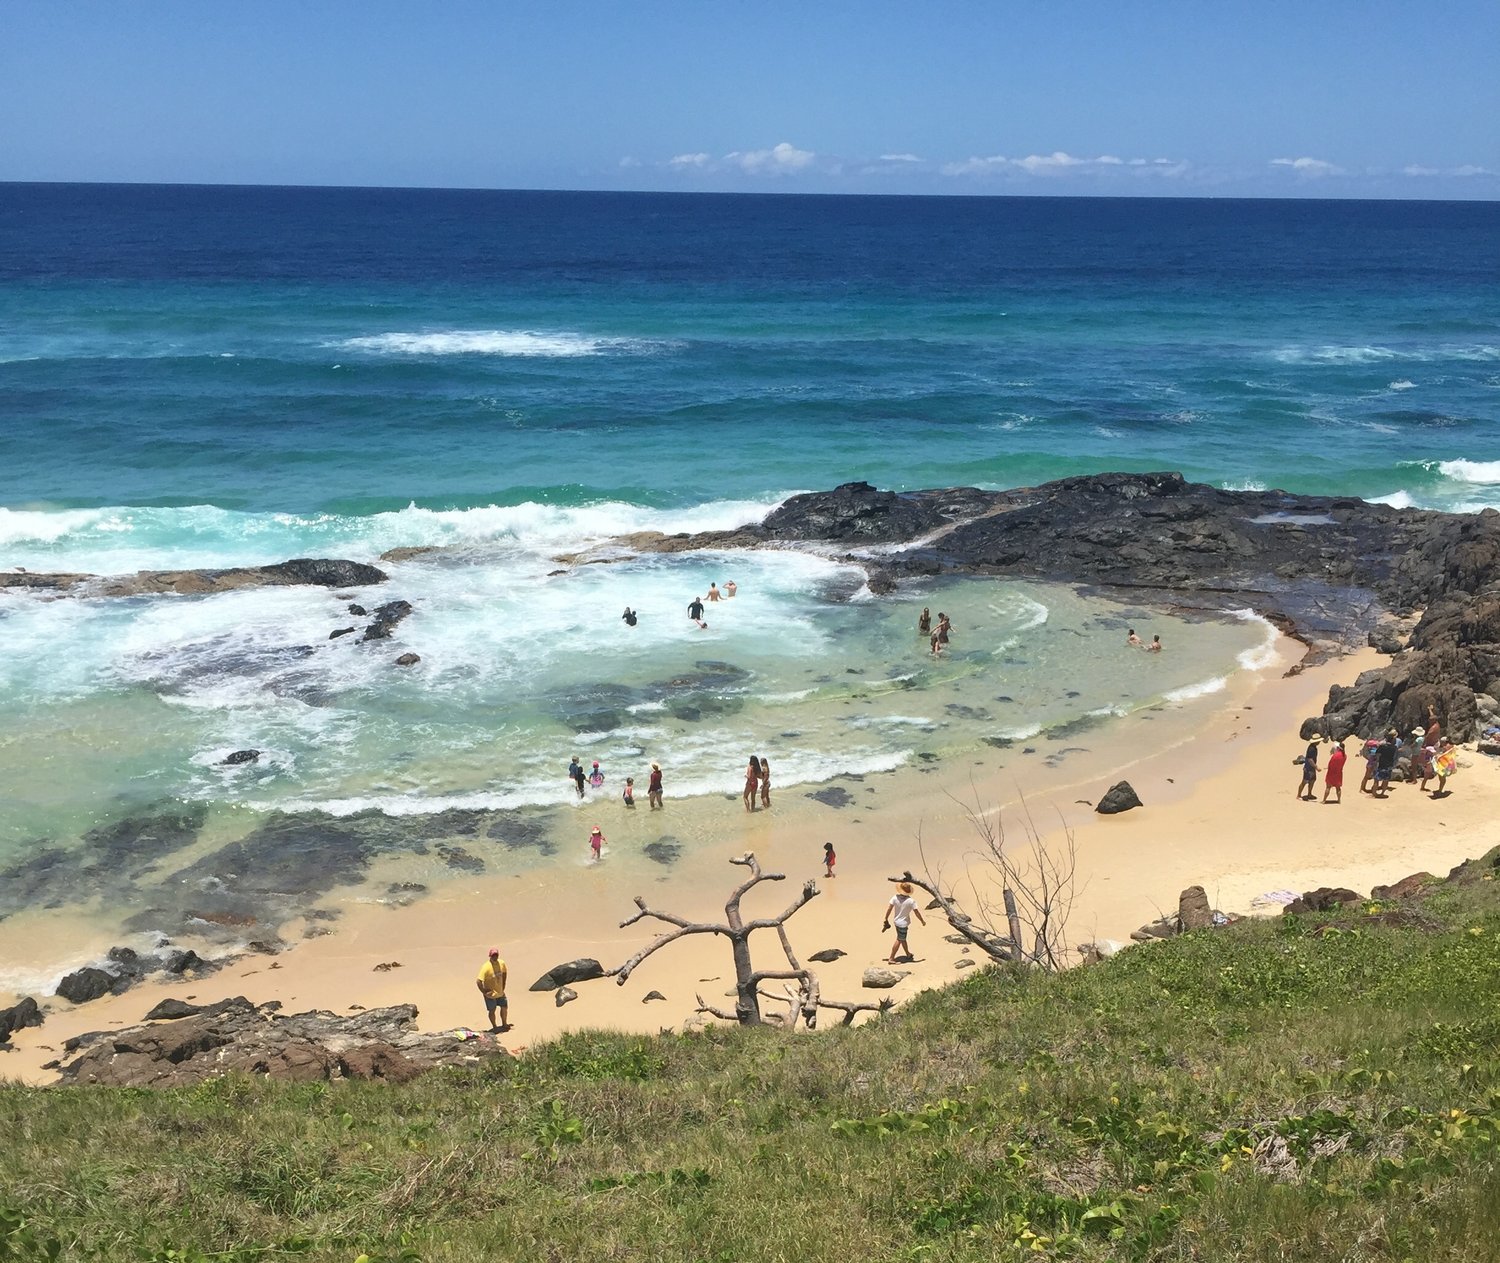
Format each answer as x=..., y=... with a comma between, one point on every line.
x=778, y=160
x=628, y=161
x=689, y=160
x=899, y=157
x=1060, y=163
x=1468, y=169
x=1308, y=166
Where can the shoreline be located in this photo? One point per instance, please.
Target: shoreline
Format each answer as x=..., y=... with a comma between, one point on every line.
x=1216, y=780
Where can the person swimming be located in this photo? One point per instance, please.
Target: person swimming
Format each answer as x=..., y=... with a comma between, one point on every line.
x=629, y=617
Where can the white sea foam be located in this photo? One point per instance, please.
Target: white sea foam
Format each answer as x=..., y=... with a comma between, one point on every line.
x=1263, y=655
x=1246, y=485
x=1202, y=688
x=1400, y=499
x=559, y=344
x=1402, y=384
x=1461, y=352
x=1477, y=471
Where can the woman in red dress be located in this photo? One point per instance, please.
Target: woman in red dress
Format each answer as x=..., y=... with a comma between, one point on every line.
x=1333, y=778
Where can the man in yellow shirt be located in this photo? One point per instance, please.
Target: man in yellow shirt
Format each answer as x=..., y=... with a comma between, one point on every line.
x=492, y=987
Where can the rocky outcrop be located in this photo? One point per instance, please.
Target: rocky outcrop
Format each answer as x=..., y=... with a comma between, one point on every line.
x=236, y=1036
x=26, y=1012
x=123, y=967
x=387, y=616
x=878, y=979
x=317, y=572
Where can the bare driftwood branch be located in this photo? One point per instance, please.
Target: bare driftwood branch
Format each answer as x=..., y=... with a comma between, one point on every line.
x=804, y=998
x=1037, y=888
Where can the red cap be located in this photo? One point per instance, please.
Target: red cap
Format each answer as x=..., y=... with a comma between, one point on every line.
x=494, y=951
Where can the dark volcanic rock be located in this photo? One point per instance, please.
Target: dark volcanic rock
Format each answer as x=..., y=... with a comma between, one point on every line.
x=573, y=971
x=1119, y=797
x=664, y=850
x=238, y=1037
x=18, y=1017
x=387, y=617
x=88, y=983
x=828, y=955
x=408, y=660
x=299, y=571
x=240, y=756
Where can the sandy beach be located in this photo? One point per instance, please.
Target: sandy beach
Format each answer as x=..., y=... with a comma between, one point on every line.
x=1215, y=775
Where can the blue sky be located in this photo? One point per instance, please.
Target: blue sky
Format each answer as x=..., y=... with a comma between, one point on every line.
x=1322, y=98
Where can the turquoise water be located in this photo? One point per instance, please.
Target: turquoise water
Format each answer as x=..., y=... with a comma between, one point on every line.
x=212, y=377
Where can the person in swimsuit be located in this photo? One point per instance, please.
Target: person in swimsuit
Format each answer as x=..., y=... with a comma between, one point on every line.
x=629, y=616
x=1133, y=639
x=924, y=622
x=653, y=787
x=731, y=588
x=629, y=794
x=1155, y=645
x=752, y=781
x=713, y=592
x=765, y=783
x=596, y=777
x=940, y=635
x=575, y=774
x=596, y=843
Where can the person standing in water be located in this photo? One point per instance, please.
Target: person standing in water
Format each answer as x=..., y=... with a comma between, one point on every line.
x=596, y=777
x=695, y=609
x=924, y=622
x=575, y=774
x=1133, y=640
x=596, y=843
x=629, y=617
x=731, y=588
x=629, y=792
x=1155, y=645
x=653, y=787
x=752, y=782
x=713, y=593
x=765, y=783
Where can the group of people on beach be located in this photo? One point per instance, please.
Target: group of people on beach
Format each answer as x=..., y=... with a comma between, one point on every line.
x=1430, y=756
x=713, y=596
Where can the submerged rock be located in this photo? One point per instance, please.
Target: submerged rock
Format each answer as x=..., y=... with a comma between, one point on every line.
x=240, y=756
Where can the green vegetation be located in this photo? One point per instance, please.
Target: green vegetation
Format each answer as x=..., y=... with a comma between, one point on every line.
x=1307, y=1088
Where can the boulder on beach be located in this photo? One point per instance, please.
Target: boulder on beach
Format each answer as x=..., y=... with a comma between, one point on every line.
x=1120, y=796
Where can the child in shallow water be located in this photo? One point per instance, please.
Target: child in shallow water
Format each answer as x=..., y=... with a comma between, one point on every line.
x=629, y=791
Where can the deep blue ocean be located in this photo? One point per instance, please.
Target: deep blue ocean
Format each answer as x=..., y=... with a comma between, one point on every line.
x=194, y=376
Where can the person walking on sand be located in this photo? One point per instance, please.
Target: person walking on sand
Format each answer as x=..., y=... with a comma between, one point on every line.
x=752, y=781
x=653, y=787
x=924, y=622
x=596, y=843
x=629, y=791
x=901, y=909
x=1333, y=778
x=713, y=593
x=830, y=858
x=765, y=783
x=695, y=609
x=575, y=774
x=1309, y=771
x=491, y=984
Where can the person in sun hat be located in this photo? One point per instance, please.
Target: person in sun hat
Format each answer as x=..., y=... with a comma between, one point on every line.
x=596, y=842
x=491, y=983
x=901, y=908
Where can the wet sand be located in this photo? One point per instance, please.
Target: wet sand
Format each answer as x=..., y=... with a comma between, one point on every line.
x=1215, y=774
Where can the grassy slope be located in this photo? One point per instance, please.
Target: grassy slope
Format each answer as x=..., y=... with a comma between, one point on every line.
x=1271, y=1092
